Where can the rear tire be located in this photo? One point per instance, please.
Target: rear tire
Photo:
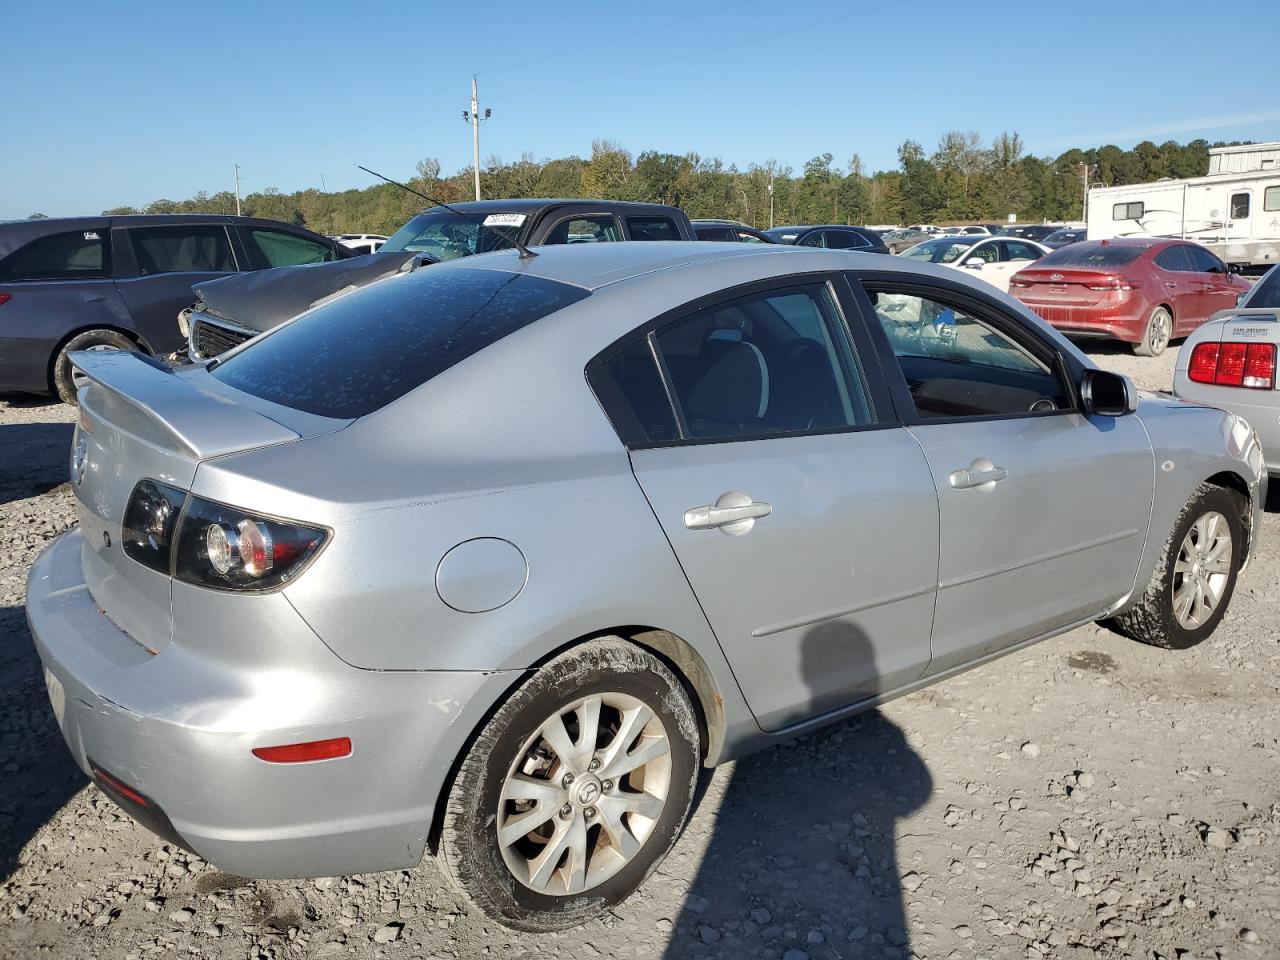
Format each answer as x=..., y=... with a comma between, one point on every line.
x=1157, y=334
x=551, y=820
x=1194, y=556
x=63, y=380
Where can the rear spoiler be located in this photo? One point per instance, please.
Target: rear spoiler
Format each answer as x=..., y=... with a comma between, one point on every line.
x=141, y=395
x=1270, y=313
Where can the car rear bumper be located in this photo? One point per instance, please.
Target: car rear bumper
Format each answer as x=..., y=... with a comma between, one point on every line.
x=171, y=735
x=1127, y=323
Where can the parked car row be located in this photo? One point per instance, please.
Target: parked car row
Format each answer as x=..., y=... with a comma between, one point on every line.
x=352, y=561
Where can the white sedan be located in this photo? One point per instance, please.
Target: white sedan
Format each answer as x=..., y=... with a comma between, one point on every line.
x=994, y=259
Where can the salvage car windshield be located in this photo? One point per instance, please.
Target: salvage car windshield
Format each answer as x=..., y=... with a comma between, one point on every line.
x=447, y=236
x=353, y=356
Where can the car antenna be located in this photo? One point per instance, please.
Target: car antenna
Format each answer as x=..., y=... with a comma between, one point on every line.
x=525, y=252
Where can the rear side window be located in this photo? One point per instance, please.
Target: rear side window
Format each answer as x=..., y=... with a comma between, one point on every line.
x=1128, y=211
x=357, y=354
x=845, y=240
x=1267, y=291
x=182, y=249
x=75, y=255
x=585, y=230
x=652, y=228
x=773, y=364
x=713, y=233
x=1020, y=251
x=278, y=248
x=1271, y=199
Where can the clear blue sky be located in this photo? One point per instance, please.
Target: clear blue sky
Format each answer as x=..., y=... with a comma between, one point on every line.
x=130, y=101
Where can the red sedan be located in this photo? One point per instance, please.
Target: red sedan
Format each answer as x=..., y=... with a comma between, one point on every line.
x=1143, y=291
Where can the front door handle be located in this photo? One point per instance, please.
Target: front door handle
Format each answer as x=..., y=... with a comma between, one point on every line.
x=734, y=513
x=982, y=474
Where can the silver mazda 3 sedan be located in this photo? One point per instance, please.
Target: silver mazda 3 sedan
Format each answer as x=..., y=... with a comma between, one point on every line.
x=488, y=559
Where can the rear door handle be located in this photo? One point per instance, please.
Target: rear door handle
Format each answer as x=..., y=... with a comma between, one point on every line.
x=982, y=474
x=734, y=513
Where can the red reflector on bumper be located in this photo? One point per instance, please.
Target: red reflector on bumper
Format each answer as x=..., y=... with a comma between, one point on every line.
x=123, y=789
x=303, y=752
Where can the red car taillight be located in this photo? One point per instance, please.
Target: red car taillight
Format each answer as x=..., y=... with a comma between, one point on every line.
x=211, y=544
x=5, y=298
x=1111, y=283
x=1250, y=365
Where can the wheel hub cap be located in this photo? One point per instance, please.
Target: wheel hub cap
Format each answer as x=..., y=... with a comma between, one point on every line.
x=588, y=792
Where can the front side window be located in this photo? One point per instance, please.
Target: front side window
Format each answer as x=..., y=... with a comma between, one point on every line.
x=74, y=255
x=601, y=229
x=744, y=236
x=1202, y=261
x=941, y=251
x=354, y=355
x=817, y=238
x=958, y=364
x=1173, y=259
x=723, y=234
x=652, y=228
x=1129, y=211
x=280, y=249
x=1239, y=206
x=1020, y=251
x=767, y=365
x=182, y=249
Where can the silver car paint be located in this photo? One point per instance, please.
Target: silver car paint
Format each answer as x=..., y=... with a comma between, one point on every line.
x=509, y=444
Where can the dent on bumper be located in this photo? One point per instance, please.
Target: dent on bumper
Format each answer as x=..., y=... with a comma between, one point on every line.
x=179, y=727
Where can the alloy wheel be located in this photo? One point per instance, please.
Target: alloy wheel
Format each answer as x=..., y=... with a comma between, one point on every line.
x=584, y=794
x=1202, y=570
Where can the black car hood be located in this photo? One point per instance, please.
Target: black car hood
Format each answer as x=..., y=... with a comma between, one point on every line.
x=267, y=298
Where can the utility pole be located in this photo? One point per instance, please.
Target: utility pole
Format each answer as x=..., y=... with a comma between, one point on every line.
x=770, y=199
x=237, y=166
x=473, y=117
x=1084, y=201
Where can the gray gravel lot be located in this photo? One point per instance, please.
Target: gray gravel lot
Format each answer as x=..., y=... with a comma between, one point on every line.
x=1088, y=797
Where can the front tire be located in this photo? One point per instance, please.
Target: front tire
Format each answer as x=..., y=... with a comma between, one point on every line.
x=1155, y=338
x=575, y=790
x=1196, y=575
x=64, y=380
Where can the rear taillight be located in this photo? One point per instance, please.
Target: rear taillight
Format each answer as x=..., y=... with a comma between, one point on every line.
x=212, y=544
x=5, y=298
x=1111, y=283
x=1249, y=365
x=1018, y=283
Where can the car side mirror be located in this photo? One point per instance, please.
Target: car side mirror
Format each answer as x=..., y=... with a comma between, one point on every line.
x=1235, y=268
x=1107, y=394
x=974, y=264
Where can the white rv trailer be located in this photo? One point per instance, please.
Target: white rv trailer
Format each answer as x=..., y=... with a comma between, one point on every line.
x=1235, y=213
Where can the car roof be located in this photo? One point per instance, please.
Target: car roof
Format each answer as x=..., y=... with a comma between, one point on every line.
x=593, y=266
x=541, y=203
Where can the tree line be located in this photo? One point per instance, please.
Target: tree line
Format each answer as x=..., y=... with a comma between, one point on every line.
x=962, y=179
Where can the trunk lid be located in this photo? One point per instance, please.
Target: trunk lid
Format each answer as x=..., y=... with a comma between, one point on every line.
x=139, y=420
x=1067, y=289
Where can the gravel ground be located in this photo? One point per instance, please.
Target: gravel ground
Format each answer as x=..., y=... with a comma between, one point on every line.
x=1087, y=797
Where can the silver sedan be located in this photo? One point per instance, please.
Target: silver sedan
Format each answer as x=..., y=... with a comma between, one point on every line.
x=489, y=559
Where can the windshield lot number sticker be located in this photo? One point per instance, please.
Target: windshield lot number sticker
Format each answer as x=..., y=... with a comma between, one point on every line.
x=504, y=220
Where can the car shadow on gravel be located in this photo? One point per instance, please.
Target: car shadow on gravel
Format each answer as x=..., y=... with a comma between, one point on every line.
x=803, y=853
x=36, y=457
x=39, y=776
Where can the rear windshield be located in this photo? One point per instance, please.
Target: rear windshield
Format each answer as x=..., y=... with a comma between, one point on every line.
x=1091, y=255
x=1267, y=292
x=357, y=354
